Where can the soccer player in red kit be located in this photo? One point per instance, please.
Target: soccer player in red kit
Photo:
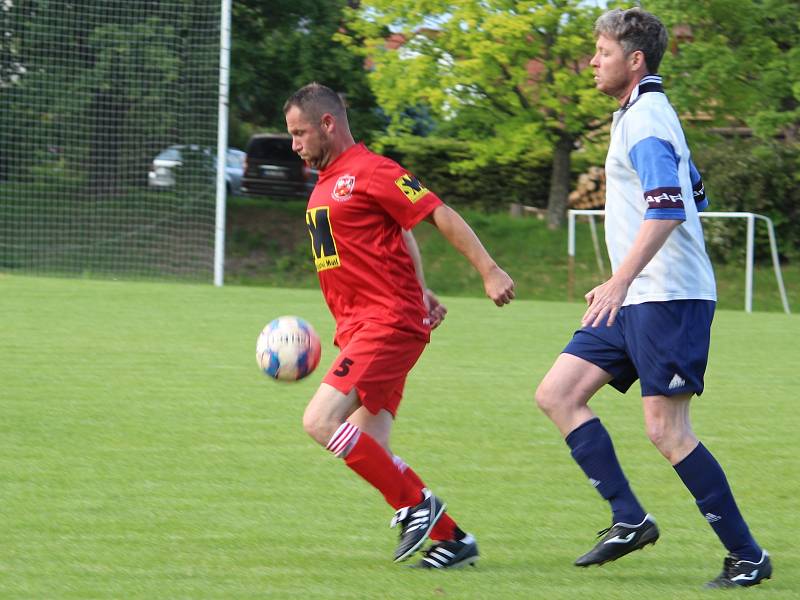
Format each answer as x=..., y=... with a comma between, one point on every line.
x=360, y=217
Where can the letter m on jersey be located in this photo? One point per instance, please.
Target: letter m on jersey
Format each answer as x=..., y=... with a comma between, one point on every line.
x=322, y=243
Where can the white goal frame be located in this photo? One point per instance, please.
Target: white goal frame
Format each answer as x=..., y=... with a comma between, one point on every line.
x=749, y=261
x=222, y=140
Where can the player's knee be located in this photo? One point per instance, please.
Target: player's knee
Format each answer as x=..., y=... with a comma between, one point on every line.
x=656, y=433
x=318, y=427
x=674, y=446
x=310, y=425
x=667, y=442
x=545, y=398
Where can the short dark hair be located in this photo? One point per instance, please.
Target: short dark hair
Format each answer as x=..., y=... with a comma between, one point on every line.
x=314, y=100
x=635, y=29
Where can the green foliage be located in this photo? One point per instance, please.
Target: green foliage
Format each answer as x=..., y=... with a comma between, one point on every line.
x=509, y=77
x=280, y=46
x=736, y=63
x=740, y=65
x=502, y=60
x=107, y=79
x=752, y=176
x=489, y=186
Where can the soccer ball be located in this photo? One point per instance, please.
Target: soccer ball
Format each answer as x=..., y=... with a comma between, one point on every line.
x=288, y=349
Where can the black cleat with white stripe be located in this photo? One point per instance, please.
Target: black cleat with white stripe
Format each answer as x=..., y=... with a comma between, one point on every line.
x=450, y=554
x=618, y=540
x=416, y=523
x=742, y=573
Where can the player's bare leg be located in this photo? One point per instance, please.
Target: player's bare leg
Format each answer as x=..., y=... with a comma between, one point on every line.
x=668, y=425
x=564, y=393
x=326, y=412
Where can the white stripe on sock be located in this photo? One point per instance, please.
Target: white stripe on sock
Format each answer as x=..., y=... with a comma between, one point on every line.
x=399, y=463
x=343, y=439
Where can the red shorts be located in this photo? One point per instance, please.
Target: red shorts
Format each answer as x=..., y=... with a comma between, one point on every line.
x=375, y=360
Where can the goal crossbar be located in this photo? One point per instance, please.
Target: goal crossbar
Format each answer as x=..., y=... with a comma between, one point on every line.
x=749, y=261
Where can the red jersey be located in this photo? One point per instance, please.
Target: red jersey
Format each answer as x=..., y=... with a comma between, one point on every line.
x=355, y=216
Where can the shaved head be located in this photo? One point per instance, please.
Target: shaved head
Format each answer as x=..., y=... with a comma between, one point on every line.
x=315, y=100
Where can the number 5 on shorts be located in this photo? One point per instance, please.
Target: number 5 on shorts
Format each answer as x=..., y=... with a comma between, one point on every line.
x=344, y=368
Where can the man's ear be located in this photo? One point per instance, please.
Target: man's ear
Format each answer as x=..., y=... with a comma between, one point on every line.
x=327, y=122
x=637, y=60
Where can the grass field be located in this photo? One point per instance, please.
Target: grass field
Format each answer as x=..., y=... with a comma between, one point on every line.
x=142, y=455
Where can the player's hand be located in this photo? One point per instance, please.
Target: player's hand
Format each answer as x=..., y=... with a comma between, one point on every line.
x=436, y=310
x=604, y=301
x=499, y=286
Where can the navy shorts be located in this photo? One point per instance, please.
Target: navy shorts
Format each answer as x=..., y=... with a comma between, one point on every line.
x=663, y=344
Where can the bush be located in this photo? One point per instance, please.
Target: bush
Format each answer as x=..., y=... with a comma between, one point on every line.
x=491, y=188
x=750, y=175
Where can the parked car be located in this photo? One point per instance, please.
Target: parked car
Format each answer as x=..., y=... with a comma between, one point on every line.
x=162, y=170
x=273, y=169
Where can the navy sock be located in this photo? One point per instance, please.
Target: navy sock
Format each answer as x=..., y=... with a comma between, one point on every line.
x=593, y=451
x=705, y=479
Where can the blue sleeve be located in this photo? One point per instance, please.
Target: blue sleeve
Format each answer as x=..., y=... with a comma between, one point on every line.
x=656, y=164
x=698, y=190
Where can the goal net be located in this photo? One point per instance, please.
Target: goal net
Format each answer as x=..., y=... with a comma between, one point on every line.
x=108, y=133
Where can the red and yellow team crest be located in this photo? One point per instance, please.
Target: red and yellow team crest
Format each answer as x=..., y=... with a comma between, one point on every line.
x=343, y=189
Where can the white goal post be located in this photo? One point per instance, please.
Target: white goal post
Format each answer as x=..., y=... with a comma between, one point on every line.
x=750, y=259
x=222, y=139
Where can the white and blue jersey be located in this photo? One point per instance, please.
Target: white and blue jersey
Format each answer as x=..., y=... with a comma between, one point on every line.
x=650, y=175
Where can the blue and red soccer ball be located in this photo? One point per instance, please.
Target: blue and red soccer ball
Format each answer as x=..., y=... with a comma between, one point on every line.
x=288, y=349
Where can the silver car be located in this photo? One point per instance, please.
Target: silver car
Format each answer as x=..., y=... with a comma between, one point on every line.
x=162, y=170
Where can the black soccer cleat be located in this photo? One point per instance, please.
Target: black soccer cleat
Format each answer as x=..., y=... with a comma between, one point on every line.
x=450, y=555
x=416, y=523
x=742, y=573
x=618, y=540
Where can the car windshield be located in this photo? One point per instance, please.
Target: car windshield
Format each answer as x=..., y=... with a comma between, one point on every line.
x=170, y=154
x=235, y=159
x=272, y=148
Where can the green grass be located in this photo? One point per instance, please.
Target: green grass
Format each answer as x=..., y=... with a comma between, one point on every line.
x=128, y=232
x=267, y=244
x=142, y=454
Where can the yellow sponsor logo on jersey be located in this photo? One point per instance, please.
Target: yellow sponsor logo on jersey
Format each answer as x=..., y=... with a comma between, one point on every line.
x=323, y=244
x=411, y=187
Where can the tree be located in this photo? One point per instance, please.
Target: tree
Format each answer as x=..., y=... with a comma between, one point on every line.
x=281, y=45
x=734, y=70
x=82, y=88
x=510, y=77
x=735, y=62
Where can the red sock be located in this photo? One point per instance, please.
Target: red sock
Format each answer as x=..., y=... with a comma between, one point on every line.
x=370, y=460
x=445, y=528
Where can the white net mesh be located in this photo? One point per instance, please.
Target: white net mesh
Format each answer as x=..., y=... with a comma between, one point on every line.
x=91, y=92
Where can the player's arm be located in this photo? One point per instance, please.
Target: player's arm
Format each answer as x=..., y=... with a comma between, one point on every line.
x=496, y=282
x=607, y=298
x=436, y=310
x=656, y=163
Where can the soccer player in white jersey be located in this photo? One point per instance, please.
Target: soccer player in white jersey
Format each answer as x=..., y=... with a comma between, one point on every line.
x=651, y=320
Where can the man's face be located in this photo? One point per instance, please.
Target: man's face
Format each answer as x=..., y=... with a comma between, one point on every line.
x=309, y=140
x=613, y=74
